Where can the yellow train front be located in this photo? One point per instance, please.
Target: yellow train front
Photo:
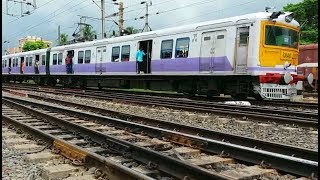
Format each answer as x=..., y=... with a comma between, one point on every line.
x=277, y=59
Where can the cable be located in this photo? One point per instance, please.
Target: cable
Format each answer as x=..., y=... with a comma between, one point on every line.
x=33, y=10
x=49, y=19
x=206, y=14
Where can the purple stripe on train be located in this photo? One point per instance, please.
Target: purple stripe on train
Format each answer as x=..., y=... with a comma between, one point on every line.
x=179, y=64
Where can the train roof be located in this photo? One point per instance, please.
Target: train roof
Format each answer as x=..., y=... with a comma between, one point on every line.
x=247, y=18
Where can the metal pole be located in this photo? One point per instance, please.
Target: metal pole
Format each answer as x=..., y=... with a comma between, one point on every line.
x=81, y=27
x=59, y=35
x=102, y=19
x=7, y=6
x=121, y=17
x=147, y=14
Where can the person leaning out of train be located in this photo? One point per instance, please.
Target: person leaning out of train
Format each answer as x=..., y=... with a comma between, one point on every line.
x=22, y=66
x=139, y=58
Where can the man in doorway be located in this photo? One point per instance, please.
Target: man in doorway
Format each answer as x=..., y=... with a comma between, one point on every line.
x=36, y=66
x=69, y=64
x=139, y=58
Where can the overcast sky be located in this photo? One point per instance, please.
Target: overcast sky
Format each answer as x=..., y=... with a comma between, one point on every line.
x=44, y=21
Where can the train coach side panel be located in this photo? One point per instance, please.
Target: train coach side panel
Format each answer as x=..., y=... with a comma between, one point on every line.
x=309, y=54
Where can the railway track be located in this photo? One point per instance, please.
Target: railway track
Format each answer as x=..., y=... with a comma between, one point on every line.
x=87, y=125
x=255, y=113
x=300, y=105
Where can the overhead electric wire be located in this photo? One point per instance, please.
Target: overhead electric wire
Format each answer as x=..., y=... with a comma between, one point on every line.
x=48, y=20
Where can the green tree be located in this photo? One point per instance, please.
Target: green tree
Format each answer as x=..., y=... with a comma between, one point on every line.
x=33, y=45
x=88, y=33
x=131, y=30
x=306, y=13
x=63, y=39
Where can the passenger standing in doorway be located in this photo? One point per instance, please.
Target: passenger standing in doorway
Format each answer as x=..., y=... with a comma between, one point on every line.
x=22, y=66
x=139, y=58
x=68, y=64
x=36, y=66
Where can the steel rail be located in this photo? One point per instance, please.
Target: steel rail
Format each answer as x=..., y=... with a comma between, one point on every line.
x=206, y=133
x=231, y=110
x=118, y=172
x=167, y=164
x=282, y=162
x=157, y=94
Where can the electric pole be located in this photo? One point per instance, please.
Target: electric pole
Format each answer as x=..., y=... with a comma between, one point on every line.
x=102, y=19
x=59, y=35
x=121, y=17
x=82, y=19
x=146, y=27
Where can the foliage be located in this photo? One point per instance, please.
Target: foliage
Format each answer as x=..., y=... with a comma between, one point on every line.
x=306, y=13
x=33, y=45
x=63, y=39
x=88, y=33
x=131, y=30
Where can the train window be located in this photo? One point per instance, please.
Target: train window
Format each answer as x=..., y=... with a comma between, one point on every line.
x=5, y=63
x=13, y=62
x=54, y=57
x=166, y=49
x=220, y=36
x=80, y=57
x=59, y=58
x=182, y=47
x=115, y=54
x=243, y=38
x=87, y=56
x=207, y=38
x=27, y=61
x=43, y=60
x=30, y=61
x=125, y=53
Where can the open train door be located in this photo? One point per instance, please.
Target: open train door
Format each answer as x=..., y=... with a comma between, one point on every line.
x=101, y=57
x=147, y=49
x=242, y=42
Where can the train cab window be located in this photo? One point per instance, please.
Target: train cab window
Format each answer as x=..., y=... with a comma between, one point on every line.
x=87, y=56
x=43, y=60
x=182, y=47
x=243, y=38
x=166, y=49
x=125, y=53
x=54, y=58
x=115, y=54
x=59, y=58
x=80, y=57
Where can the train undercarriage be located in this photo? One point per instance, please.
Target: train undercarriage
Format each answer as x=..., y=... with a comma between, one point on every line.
x=239, y=87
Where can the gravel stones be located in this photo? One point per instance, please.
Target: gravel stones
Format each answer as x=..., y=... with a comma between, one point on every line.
x=270, y=131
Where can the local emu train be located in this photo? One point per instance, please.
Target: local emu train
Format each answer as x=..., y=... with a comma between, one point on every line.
x=250, y=55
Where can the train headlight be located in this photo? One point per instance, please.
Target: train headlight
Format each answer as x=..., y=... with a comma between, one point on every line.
x=310, y=78
x=287, y=77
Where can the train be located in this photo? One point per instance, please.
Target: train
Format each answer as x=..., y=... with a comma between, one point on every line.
x=252, y=55
x=308, y=63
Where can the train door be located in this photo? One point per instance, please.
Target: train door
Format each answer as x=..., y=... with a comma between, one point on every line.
x=101, y=57
x=22, y=64
x=9, y=69
x=206, y=51
x=242, y=42
x=48, y=61
x=147, y=49
x=218, y=62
